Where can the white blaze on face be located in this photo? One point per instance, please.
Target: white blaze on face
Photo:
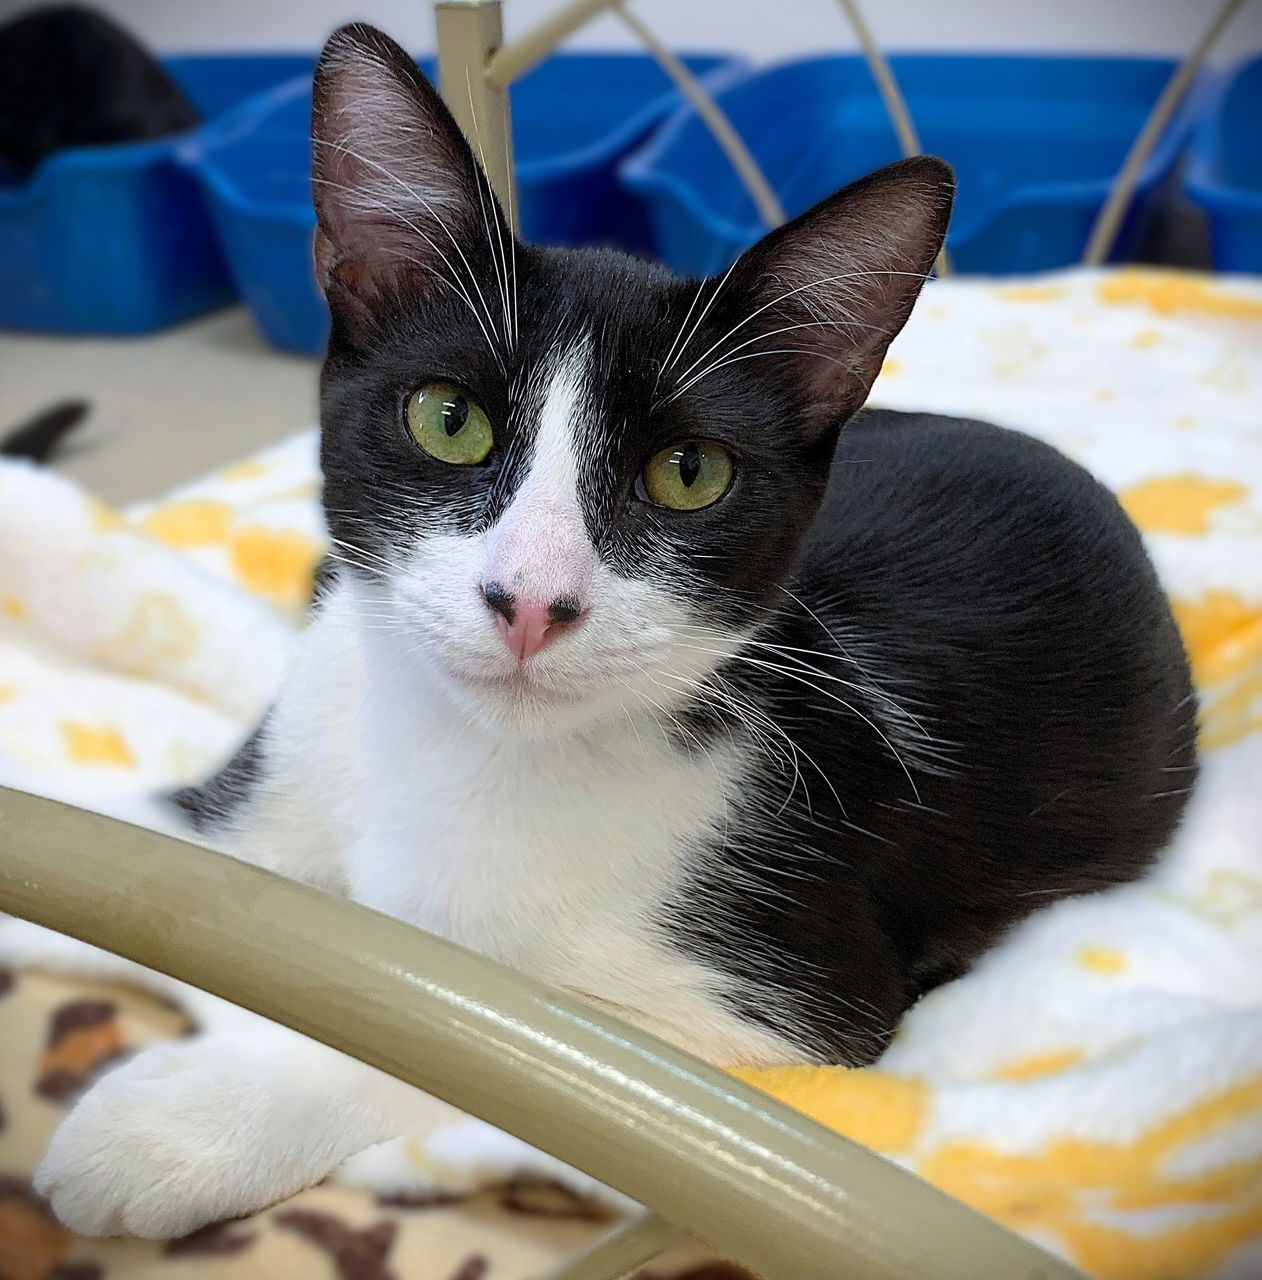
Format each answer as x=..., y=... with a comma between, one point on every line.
x=539, y=548
x=636, y=648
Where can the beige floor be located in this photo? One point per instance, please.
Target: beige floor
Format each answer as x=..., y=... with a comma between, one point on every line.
x=164, y=408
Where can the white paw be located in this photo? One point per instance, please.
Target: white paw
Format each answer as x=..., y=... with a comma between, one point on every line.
x=465, y=1156
x=183, y=1135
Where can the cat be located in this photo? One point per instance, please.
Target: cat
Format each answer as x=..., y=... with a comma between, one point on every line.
x=70, y=77
x=636, y=671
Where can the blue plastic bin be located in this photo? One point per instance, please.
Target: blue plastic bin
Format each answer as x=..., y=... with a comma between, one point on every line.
x=1035, y=142
x=1224, y=173
x=574, y=118
x=116, y=239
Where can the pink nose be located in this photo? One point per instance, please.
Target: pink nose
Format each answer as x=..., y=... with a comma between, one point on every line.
x=527, y=625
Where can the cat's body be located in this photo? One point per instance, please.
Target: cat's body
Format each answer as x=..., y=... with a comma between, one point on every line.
x=635, y=677
x=756, y=893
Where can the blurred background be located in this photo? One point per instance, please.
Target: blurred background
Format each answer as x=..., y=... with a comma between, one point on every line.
x=166, y=279
x=756, y=29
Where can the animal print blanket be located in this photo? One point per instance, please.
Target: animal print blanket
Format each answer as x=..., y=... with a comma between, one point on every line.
x=1095, y=1083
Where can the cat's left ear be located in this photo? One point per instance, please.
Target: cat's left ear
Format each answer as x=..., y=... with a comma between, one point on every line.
x=830, y=290
x=401, y=204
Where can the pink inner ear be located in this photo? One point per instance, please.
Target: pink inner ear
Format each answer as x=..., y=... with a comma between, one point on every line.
x=395, y=185
x=839, y=282
x=322, y=252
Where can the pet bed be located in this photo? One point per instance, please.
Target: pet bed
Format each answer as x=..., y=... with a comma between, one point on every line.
x=1095, y=1083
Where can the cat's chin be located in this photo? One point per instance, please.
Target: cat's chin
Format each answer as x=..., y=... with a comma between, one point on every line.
x=525, y=705
x=522, y=690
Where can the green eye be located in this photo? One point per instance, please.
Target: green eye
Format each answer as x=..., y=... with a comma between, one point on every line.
x=688, y=476
x=448, y=425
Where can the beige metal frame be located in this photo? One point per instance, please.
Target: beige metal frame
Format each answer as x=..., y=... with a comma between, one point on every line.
x=475, y=71
x=469, y=35
x=756, y=1181
x=1109, y=220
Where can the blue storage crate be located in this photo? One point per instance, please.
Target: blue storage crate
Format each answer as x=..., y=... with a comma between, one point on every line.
x=574, y=118
x=1035, y=142
x=116, y=239
x=1224, y=173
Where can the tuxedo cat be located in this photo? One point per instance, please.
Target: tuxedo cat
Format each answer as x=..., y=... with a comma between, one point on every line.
x=649, y=665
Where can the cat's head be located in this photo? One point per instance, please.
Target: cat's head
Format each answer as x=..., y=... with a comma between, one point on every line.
x=567, y=484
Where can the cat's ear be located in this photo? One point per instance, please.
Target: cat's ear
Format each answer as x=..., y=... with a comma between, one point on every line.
x=830, y=290
x=400, y=200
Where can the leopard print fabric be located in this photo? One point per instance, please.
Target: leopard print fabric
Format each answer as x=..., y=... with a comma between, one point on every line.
x=57, y=1035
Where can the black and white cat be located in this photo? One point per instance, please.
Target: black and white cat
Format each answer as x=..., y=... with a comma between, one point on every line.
x=639, y=674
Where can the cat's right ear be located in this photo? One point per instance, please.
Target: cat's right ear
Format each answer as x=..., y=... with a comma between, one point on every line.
x=402, y=207
x=831, y=289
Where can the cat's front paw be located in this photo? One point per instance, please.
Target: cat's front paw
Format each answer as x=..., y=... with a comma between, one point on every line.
x=177, y=1138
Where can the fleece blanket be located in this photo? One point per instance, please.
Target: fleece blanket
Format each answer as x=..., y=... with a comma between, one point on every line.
x=1096, y=1081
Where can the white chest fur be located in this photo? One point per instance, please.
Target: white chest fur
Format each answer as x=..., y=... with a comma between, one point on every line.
x=554, y=856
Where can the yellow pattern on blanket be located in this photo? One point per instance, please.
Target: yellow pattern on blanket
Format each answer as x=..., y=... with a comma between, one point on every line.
x=1096, y=1082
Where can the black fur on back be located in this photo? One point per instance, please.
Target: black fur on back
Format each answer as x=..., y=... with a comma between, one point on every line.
x=1020, y=727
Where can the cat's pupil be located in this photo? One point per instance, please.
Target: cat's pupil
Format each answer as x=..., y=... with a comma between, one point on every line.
x=455, y=415
x=689, y=464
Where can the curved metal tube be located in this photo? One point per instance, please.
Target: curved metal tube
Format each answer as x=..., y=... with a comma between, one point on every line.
x=891, y=95
x=730, y=142
x=622, y=1251
x=511, y=61
x=755, y=1180
x=1109, y=220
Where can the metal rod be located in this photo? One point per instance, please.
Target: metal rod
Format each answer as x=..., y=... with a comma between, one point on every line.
x=622, y=1251
x=733, y=145
x=469, y=34
x=513, y=61
x=1109, y=220
x=878, y=64
x=895, y=104
x=756, y=1181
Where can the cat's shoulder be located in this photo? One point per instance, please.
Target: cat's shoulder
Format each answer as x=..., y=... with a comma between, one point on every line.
x=927, y=514
x=916, y=444
x=972, y=482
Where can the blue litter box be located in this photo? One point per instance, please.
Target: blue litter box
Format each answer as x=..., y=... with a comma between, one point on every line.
x=1035, y=142
x=1224, y=173
x=574, y=118
x=116, y=239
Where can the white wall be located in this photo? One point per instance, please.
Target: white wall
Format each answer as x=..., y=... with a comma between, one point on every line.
x=760, y=29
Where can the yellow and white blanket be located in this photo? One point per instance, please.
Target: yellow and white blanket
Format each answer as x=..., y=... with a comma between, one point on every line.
x=1096, y=1082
